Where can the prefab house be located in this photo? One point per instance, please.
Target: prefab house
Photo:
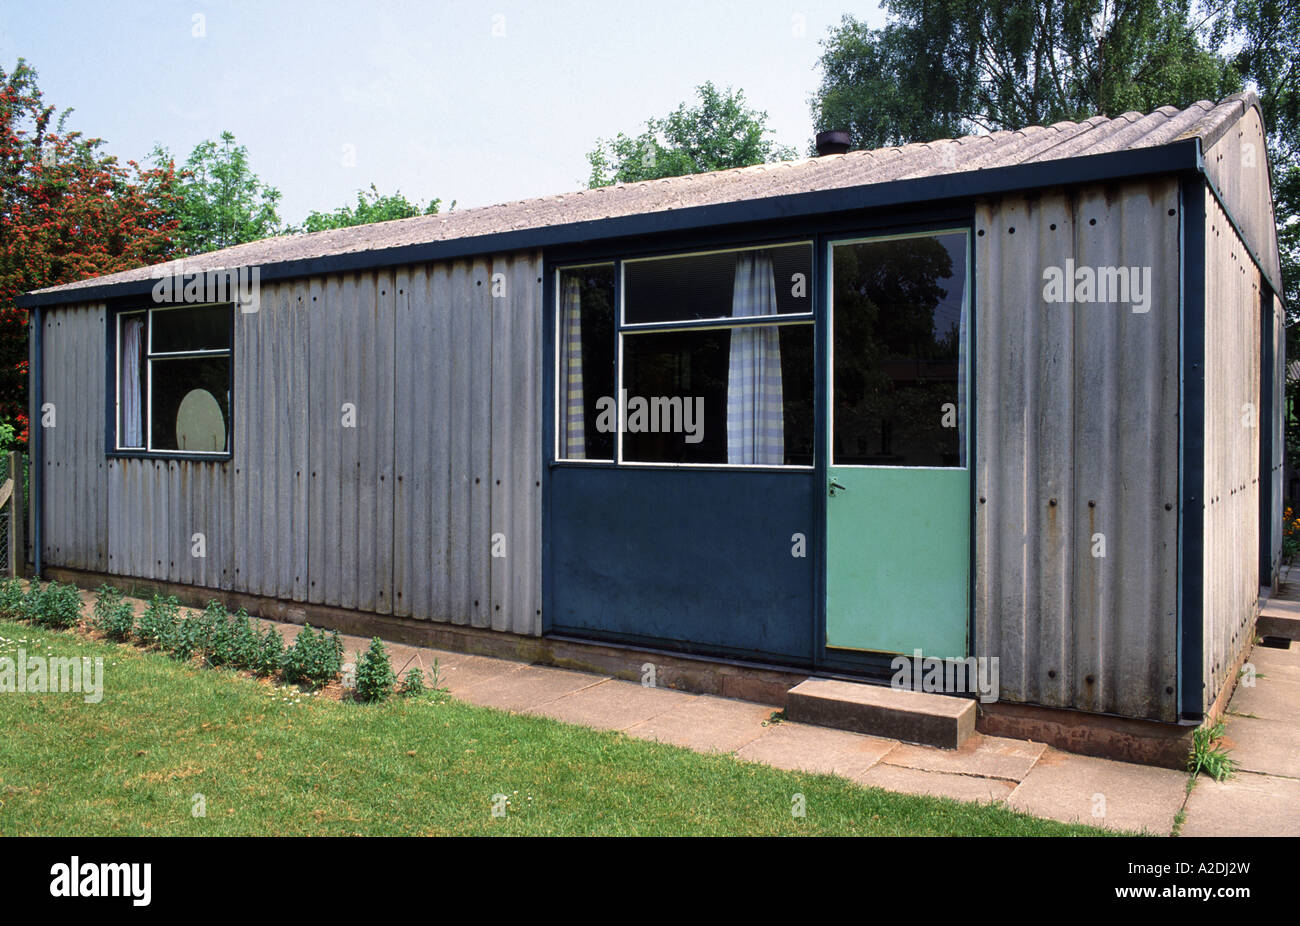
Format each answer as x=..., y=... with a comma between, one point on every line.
x=1015, y=396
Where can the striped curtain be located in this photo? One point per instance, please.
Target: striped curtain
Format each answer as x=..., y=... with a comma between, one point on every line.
x=755, y=416
x=573, y=428
x=132, y=373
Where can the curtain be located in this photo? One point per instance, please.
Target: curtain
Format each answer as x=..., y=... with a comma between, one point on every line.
x=755, y=417
x=573, y=429
x=132, y=373
x=961, y=387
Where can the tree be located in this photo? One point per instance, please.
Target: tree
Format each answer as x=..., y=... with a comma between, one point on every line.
x=67, y=211
x=950, y=67
x=223, y=202
x=717, y=133
x=1265, y=34
x=370, y=207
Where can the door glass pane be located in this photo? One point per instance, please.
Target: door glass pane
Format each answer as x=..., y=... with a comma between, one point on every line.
x=691, y=287
x=900, y=317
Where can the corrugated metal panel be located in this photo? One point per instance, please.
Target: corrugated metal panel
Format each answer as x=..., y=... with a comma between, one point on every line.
x=1077, y=445
x=1237, y=163
x=394, y=515
x=75, y=525
x=1232, y=377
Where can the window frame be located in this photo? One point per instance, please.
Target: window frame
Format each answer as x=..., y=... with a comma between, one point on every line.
x=112, y=443
x=624, y=329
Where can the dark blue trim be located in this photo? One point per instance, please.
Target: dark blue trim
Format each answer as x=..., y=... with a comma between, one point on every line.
x=36, y=439
x=1264, y=421
x=1191, y=419
x=548, y=438
x=1164, y=159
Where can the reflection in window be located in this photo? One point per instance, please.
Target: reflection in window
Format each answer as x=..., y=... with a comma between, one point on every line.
x=900, y=351
x=685, y=405
x=693, y=287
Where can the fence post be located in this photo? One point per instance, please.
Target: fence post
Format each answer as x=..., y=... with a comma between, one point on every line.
x=17, y=553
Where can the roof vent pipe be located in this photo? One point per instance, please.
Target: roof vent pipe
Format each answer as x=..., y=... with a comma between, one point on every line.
x=832, y=143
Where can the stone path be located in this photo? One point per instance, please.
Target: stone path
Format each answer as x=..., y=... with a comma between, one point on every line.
x=1263, y=730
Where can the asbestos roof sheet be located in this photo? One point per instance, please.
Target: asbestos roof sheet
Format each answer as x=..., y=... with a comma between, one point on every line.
x=1035, y=144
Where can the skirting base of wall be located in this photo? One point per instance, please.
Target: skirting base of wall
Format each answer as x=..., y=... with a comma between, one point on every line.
x=1142, y=741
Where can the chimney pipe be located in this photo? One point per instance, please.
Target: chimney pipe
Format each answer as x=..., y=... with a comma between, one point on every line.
x=833, y=143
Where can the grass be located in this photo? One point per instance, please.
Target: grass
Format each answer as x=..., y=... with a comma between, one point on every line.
x=276, y=760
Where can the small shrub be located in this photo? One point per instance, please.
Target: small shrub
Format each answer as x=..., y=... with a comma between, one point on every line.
x=58, y=606
x=158, y=623
x=315, y=657
x=114, y=617
x=412, y=683
x=270, y=652
x=187, y=638
x=212, y=628
x=12, y=596
x=374, y=673
x=31, y=609
x=245, y=644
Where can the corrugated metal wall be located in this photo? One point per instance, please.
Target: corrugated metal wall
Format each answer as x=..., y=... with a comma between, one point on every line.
x=396, y=515
x=1232, y=378
x=1077, y=445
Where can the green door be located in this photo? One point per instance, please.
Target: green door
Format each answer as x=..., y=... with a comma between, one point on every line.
x=898, y=499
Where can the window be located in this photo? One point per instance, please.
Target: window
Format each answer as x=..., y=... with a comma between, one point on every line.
x=173, y=375
x=899, y=351
x=585, y=386
x=714, y=365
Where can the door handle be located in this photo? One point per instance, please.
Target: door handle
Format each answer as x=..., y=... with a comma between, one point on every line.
x=837, y=487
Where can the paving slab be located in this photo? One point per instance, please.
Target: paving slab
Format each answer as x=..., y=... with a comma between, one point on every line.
x=1275, y=697
x=462, y=671
x=1100, y=792
x=613, y=704
x=803, y=748
x=1268, y=747
x=707, y=724
x=984, y=756
x=935, y=784
x=1276, y=663
x=528, y=687
x=1244, y=805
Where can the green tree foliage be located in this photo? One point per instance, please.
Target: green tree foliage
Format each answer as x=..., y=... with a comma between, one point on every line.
x=1263, y=36
x=371, y=207
x=948, y=67
x=67, y=211
x=719, y=132
x=223, y=203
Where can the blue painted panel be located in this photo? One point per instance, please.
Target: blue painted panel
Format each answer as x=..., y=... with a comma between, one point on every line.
x=699, y=560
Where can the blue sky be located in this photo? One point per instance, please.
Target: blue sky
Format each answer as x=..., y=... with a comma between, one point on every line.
x=422, y=97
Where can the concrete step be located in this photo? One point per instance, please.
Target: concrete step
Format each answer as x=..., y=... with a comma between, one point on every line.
x=1279, y=618
x=910, y=716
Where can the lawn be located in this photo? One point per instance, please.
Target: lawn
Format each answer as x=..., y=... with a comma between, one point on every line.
x=275, y=760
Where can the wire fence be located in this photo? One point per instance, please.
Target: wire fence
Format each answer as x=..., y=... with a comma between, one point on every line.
x=13, y=507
